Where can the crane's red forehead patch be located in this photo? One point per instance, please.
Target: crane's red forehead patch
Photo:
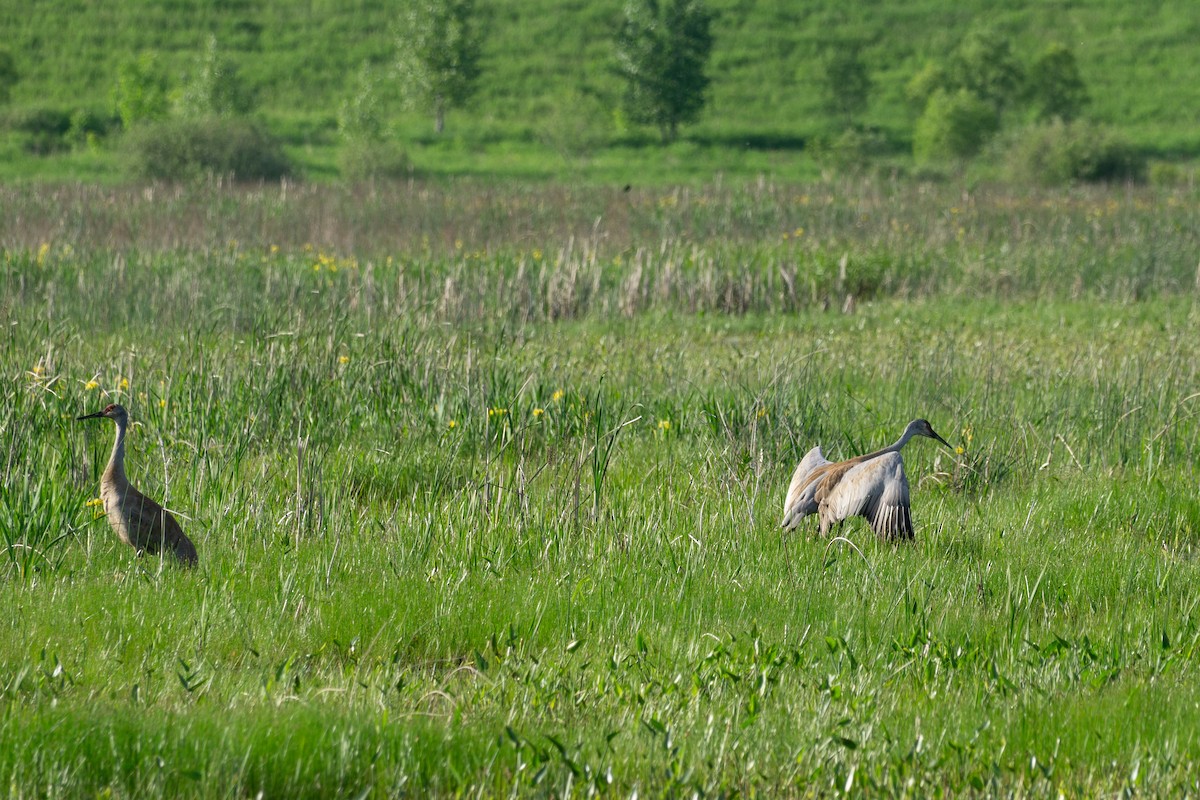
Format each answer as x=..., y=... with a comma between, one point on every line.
x=108, y=408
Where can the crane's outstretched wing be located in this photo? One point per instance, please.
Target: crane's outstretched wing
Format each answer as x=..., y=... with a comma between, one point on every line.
x=878, y=490
x=800, y=500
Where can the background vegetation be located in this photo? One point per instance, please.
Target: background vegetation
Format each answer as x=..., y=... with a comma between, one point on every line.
x=485, y=483
x=548, y=100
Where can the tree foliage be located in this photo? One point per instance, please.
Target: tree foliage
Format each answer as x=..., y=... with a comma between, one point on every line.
x=661, y=52
x=845, y=83
x=360, y=116
x=983, y=64
x=954, y=125
x=438, y=53
x=215, y=88
x=1054, y=86
x=8, y=75
x=140, y=94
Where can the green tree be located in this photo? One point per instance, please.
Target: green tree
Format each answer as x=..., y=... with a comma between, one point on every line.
x=360, y=116
x=984, y=65
x=215, y=88
x=661, y=52
x=8, y=75
x=954, y=125
x=438, y=53
x=845, y=82
x=141, y=90
x=1054, y=86
x=921, y=86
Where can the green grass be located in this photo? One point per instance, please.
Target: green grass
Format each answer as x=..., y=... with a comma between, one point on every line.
x=547, y=100
x=501, y=516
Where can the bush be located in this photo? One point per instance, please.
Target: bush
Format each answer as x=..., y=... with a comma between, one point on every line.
x=43, y=130
x=361, y=160
x=88, y=126
x=954, y=125
x=1061, y=152
x=185, y=149
x=850, y=150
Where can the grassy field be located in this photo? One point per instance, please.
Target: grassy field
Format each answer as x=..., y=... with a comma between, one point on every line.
x=548, y=102
x=486, y=485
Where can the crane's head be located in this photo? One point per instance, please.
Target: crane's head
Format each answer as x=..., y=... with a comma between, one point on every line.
x=113, y=411
x=922, y=427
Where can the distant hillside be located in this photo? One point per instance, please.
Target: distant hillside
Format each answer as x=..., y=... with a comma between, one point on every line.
x=1139, y=60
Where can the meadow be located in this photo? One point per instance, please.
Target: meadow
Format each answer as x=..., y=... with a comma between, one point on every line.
x=548, y=103
x=486, y=484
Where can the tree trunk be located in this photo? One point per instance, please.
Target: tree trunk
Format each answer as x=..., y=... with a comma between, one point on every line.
x=439, y=123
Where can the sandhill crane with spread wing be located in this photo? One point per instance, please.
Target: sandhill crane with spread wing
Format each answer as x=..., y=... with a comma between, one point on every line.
x=872, y=486
x=138, y=520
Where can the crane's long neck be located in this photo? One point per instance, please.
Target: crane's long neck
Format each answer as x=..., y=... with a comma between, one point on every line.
x=909, y=433
x=115, y=470
x=895, y=447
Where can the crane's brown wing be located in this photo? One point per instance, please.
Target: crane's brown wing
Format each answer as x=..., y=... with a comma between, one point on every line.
x=800, y=499
x=153, y=527
x=890, y=513
x=878, y=490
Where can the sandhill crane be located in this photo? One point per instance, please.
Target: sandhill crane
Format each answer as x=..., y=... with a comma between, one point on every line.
x=871, y=486
x=137, y=519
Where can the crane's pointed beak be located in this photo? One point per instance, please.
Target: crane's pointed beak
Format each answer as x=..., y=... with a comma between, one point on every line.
x=91, y=416
x=934, y=435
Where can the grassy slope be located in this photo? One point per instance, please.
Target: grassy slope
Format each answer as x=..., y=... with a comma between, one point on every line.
x=418, y=604
x=1143, y=72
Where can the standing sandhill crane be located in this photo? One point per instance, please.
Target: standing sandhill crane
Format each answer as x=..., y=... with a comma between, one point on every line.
x=137, y=519
x=871, y=486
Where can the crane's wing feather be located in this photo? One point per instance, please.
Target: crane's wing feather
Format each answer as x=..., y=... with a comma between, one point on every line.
x=153, y=526
x=800, y=499
x=890, y=513
x=878, y=490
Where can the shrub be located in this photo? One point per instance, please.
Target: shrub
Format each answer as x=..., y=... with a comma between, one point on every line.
x=42, y=130
x=184, y=149
x=88, y=125
x=362, y=160
x=850, y=150
x=8, y=75
x=1061, y=152
x=954, y=125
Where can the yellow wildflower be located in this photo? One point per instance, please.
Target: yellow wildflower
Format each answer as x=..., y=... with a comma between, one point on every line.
x=453, y=424
x=664, y=425
x=90, y=385
x=558, y=395
x=343, y=359
x=537, y=412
